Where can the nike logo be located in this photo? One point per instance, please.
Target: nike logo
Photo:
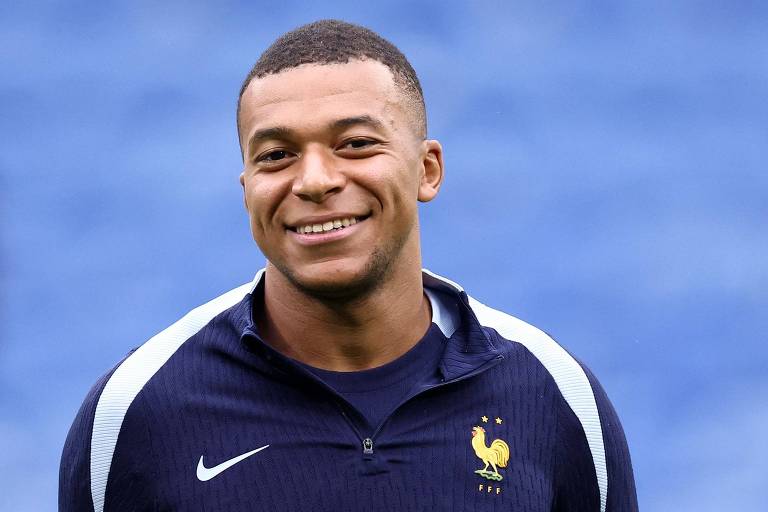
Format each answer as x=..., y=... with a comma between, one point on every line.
x=204, y=474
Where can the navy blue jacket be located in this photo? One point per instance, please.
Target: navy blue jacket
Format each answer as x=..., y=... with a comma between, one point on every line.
x=206, y=416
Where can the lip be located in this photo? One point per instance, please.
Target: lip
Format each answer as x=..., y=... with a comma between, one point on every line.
x=325, y=237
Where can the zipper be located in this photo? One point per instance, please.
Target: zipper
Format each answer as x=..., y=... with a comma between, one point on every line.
x=351, y=423
x=367, y=446
x=367, y=443
x=338, y=402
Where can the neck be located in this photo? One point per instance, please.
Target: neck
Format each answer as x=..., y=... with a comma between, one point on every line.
x=348, y=334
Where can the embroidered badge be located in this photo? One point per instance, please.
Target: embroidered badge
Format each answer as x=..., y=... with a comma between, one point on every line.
x=496, y=455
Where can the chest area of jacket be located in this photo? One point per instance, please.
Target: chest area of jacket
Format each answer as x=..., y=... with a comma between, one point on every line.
x=464, y=447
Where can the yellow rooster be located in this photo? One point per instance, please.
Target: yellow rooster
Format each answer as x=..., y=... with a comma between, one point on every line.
x=495, y=455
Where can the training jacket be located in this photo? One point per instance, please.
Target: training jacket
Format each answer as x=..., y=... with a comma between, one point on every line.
x=205, y=416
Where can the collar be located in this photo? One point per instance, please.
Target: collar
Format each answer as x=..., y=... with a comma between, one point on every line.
x=469, y=347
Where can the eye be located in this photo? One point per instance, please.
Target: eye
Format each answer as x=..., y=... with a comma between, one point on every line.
x=273, y=156
x=359, y=143
x=359, y=147
x=274, y=159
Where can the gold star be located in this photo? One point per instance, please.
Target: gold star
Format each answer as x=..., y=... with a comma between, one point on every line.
x=498, y=421
x=485, y=419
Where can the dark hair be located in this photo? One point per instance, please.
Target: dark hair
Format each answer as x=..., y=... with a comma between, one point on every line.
x=335, y=41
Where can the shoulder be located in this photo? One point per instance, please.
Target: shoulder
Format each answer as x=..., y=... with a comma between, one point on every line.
x=90, y=446
x=75, y=478
x=568, y=373
x=570, y=376
x=588, y=408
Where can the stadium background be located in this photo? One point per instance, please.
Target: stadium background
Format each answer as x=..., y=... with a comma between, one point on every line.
x=606, y=181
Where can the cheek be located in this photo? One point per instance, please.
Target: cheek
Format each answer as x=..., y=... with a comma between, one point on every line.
x=253, y=216
x=399, y=183
x=262, y=199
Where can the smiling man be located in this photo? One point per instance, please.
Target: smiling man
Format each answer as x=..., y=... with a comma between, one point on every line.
x=344, y=377
x=335, y=163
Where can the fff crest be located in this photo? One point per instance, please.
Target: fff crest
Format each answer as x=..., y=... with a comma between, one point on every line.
x=493, y=456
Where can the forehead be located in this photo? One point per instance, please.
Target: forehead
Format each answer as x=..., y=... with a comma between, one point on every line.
x=315, y=93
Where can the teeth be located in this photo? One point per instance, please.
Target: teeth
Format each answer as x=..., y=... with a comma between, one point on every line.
x=327, y=226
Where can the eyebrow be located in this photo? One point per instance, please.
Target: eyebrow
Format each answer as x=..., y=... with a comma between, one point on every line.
x=277, y=132
x=355, y=120
x=282, y=132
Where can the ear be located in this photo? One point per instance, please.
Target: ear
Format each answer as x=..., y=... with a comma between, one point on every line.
x=242, y=184
x=432, y=177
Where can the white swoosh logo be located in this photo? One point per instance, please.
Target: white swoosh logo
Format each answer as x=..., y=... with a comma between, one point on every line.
x=204, y=474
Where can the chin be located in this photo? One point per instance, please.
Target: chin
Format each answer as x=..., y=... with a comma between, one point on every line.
x=340, y=279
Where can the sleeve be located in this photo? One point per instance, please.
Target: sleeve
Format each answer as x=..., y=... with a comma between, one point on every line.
x=577, y=489
x=75, y=467
x=622, y=496
x=74, y=470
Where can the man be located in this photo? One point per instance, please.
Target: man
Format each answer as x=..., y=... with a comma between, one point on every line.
x=344, y=377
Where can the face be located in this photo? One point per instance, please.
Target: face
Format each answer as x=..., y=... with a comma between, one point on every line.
x=334, y=168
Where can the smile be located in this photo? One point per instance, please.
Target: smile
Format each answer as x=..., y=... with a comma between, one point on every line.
x=329, y=225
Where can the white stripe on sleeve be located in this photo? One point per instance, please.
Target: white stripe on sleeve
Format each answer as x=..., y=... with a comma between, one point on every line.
x=134, y=372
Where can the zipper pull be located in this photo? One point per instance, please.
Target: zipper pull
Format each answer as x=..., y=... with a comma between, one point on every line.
x=368, y=446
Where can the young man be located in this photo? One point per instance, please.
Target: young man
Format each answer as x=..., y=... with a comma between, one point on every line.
x=344, y=377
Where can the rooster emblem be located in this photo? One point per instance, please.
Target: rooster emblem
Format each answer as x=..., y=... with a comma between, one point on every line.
x=496, y=456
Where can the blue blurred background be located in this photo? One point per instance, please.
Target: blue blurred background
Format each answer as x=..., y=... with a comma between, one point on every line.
x=606, y=181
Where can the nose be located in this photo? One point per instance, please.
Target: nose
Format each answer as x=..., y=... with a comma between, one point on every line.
x=318, y=177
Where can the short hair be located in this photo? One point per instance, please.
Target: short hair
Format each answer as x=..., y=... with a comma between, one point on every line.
x=338, y=42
